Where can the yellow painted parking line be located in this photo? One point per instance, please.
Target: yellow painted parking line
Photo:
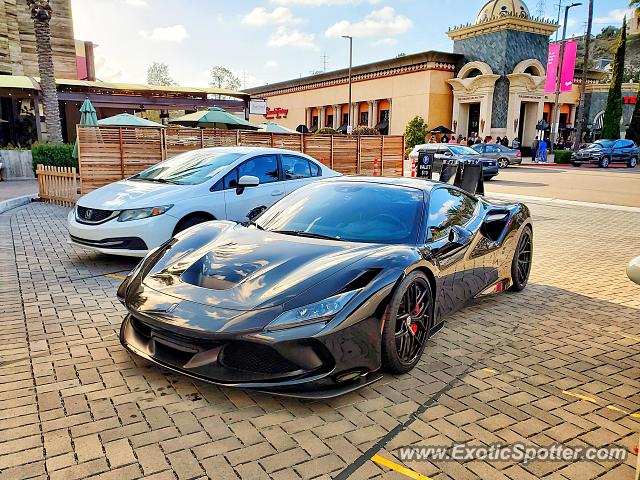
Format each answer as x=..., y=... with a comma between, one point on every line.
x=113, y=275
x=637, y=339
x=399, y=468
x=581, y=397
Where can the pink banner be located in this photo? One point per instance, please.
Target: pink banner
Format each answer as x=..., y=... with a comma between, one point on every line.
x=552, y=67
x=569, y=65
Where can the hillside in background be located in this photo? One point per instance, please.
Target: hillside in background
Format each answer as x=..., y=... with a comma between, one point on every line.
x=603, y=46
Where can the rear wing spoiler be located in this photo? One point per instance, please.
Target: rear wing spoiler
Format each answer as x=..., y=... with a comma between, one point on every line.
x=460, y=173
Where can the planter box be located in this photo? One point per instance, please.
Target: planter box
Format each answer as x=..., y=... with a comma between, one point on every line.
x=16, y=165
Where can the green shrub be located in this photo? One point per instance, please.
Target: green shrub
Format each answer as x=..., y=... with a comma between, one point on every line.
x=562, y=156
x=56, y=154
x=416, y=132
x=326, y=131
x=362, y=130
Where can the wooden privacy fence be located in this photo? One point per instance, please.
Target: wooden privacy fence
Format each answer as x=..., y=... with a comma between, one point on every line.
x=108, y=154
x=57, y=184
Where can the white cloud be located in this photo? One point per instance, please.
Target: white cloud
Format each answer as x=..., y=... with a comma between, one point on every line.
x=176, y=33
x=379, y=22
x=109, y=71
x=384, y=42
x=261, y=16
x=285, y=37
x=271, y=64
x=323, y=3
x=137, y=3
x=614, y=17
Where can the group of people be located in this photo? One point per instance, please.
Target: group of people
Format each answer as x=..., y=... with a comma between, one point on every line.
x=474, y=139
x=539, y=150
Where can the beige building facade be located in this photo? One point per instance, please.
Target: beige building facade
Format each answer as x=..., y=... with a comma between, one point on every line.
x=385, y=95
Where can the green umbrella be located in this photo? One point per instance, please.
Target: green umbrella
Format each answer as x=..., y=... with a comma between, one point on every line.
x=128, y=120
x=87, y=117
x=273, y=127
x=214, y=117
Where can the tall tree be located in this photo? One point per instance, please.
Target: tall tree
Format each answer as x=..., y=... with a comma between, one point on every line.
x=613, y=110
x=221, y=77
x=41, y=14
x=158, y=74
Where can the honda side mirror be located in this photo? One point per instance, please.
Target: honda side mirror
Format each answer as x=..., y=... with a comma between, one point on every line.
x=246, y=181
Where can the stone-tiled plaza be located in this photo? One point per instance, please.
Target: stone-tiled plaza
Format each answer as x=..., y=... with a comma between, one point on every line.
x=559, y=362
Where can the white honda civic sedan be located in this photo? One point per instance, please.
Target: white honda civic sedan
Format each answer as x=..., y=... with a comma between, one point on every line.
x=133, y=216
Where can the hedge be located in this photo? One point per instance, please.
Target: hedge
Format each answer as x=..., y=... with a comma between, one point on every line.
x=56, y=154
x=562, y=156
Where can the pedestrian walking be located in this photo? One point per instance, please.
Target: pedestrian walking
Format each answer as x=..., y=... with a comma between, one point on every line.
x=505, y=141
x=534, y=150
x=444, y=139
x=542, y=151
x=515, y=143
x=453, y=139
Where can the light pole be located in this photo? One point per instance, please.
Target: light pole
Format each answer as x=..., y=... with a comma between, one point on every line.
x=555, y=123
x=583, y=88
x=349, y=125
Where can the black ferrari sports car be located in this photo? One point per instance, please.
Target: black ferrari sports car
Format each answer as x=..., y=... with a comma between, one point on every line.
x=337, y=282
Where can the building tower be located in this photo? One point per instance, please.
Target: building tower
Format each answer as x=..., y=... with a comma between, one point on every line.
x=499, y=88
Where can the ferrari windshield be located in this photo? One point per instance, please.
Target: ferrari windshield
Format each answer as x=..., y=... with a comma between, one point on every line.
x=190, y=168
x=348, y=211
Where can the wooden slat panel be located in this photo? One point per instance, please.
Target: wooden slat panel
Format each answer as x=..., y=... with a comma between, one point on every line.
x=57, y=185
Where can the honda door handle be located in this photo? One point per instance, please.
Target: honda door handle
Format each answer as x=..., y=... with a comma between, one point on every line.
x=277, y=194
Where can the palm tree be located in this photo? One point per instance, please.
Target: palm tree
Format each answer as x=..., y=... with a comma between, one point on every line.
x=41, y=15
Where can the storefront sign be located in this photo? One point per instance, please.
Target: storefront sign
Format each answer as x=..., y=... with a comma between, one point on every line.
x=530, y=97
x=277, y=112
x=257, y=106
x=474, y=98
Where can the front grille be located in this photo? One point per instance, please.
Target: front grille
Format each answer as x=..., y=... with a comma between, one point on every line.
x=92, y=215
x=120, y=243
x=256, y=358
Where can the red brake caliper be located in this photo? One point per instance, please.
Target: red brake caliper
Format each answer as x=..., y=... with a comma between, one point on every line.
x=414, y=326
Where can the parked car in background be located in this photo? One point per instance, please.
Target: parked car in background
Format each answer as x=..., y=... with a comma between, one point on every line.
x=505, y=156
x=135, y=215
x=447, y=151
x=605, y=152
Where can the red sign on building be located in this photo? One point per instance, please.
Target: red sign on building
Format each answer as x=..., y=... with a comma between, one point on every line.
x=277, y=112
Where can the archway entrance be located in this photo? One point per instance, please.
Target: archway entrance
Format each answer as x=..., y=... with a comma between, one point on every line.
x=474, y=119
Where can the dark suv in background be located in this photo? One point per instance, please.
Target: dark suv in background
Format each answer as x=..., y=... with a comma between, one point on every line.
x=605, y=152
x=448, y=151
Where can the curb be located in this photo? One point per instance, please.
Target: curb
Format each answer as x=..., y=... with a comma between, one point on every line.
x=16, y=202
x=561, y=202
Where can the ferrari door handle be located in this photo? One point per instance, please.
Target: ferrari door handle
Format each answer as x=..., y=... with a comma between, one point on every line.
x=277, y=194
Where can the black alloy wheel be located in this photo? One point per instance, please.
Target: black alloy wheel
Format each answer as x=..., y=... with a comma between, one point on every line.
x=522, y=258
x=632, y=163
x=407, y=324
x=604, y=163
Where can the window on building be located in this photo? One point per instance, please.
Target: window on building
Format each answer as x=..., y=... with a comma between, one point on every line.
x=364, y=118
x=314, y=120
x=345, y=118
x=384, y=116
x=329, y=120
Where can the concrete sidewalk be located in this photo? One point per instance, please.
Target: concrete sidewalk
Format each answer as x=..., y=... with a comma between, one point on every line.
x=17, y=188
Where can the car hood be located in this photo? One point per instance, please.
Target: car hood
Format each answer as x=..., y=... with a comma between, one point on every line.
x=232, y=267
x=128, y=194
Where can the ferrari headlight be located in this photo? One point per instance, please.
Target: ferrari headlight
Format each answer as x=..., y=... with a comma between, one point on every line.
x=321, y=311
x=140, y=213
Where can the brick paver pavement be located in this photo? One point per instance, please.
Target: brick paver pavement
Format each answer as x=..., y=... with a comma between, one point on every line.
x=75, y=404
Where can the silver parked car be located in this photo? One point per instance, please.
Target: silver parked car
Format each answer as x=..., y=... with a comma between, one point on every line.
x=505, y=156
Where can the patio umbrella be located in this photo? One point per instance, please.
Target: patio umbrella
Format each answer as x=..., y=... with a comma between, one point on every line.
x=273, y=127
x=441, y=130
x=214, y=117
x=87, y=117
x=128, y=120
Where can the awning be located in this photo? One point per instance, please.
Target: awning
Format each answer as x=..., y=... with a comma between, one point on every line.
x=382, y=125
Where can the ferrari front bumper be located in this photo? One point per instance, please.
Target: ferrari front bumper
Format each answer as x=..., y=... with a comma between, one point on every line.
x=287, y=363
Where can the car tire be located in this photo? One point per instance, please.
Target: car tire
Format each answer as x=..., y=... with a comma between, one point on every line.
x=522, y=259
x=632, y=163
x=604, y=163
x=404, y=335
x=189, y=222
x=575, y=164
x=503, y=163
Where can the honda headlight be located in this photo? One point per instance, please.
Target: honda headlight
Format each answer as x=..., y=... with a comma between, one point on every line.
x=140, y=213
x=321, y=311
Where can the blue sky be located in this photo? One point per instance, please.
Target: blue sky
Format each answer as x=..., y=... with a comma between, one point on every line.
x=272, y=40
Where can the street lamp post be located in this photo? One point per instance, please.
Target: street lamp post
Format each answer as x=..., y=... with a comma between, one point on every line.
x=555, y=123
x=349, y=125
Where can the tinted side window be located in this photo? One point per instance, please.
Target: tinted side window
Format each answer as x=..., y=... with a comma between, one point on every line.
x=230, y=180
x=295, y=167
x=265, y=167
x=448, y=207
x=316, y=171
